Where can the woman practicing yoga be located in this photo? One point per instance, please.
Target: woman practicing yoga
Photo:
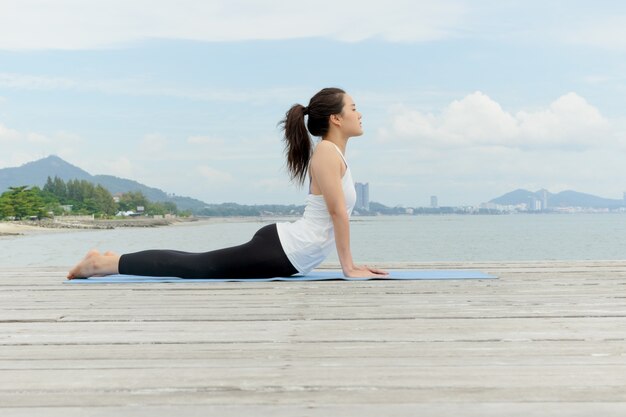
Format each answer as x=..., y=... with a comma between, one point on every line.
x=282, y=249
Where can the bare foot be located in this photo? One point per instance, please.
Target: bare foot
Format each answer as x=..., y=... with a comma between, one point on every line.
x=95, y=264
x=82, y=268
x=109, y=253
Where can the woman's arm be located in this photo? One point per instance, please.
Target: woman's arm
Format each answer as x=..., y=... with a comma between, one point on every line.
x=327, y=169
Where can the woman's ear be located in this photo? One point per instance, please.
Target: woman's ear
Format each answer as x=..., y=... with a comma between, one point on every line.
x=335, y=119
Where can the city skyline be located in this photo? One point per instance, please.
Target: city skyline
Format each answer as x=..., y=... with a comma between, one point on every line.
x=463, y=100
x=36, y=173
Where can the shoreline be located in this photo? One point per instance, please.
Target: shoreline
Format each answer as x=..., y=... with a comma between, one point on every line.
x=29, y=227
x=14, y=229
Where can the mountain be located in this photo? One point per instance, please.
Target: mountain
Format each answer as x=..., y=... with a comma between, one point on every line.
x=37, y=172
x=566, y=198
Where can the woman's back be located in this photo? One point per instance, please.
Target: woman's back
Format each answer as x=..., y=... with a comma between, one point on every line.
x=309, y=240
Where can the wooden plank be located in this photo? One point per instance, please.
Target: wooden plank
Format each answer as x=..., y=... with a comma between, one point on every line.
x=544, y=336
x=464, y=409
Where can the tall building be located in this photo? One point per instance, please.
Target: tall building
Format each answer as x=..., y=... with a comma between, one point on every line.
x=433, y=201
x=534, y=204
x=362, y=196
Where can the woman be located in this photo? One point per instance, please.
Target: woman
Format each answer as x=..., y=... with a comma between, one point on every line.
x=282, y=249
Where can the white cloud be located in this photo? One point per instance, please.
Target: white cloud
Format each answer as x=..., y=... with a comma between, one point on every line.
x=120, y=166
x=272, y=185
x=35, y=82
x=153, y=143
x=569, y=122
x=8, y=135
x=20, y=147
x=75, y=24
x=212, y=176
x=607, y=31
x=142, y=86
x=16, y=138
x=477, y=119
x=474, y=149
x=478, y=174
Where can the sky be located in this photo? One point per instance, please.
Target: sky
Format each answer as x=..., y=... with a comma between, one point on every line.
x=465, y=100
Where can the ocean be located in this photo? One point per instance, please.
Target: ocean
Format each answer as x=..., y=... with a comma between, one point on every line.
x=520, y=237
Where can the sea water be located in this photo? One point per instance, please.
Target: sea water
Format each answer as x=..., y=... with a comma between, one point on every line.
x=374, y=239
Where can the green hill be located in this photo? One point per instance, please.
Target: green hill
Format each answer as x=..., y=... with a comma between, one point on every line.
x=37, y=172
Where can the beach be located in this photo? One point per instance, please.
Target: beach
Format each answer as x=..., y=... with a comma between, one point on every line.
x=26, y=227
x=16, y=228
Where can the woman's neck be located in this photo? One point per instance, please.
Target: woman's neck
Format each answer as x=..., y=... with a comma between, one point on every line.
x=339, y=141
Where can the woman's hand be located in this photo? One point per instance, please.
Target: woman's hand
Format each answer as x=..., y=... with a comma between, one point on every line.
x=365, y=272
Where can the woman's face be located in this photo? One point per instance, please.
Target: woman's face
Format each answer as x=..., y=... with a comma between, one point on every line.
x=350, y=118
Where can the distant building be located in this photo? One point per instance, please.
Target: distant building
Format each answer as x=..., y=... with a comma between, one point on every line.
x=534, y=204
x=433, y=201
x=362, y=196
x=544, y=200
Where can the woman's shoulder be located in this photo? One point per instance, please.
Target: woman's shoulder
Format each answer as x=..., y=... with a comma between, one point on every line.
x=325, y=151
x=326, y=158
x=326, y=148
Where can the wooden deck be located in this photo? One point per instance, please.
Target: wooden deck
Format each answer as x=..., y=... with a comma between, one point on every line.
x=543, y=339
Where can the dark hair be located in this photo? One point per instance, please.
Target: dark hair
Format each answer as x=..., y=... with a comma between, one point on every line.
x=298, y=144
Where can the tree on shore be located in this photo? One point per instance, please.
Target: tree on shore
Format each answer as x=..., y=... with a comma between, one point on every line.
x=56, y=187
x=83, y=196
x=131, y=200
x=22, y=202
x=161, y=208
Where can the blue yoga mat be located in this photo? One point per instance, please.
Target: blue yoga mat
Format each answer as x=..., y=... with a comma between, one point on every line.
x=404, y=274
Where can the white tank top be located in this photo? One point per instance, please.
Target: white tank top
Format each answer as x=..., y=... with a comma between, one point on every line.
x=309, y=240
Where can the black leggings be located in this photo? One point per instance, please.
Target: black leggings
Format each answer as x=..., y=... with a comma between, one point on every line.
x=261, y=257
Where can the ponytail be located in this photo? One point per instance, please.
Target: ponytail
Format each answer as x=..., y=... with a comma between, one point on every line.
x=298, y=144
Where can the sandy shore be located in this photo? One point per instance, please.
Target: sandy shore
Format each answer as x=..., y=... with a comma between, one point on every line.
x=12, y=229
x=59, y=225
x=8, y=228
